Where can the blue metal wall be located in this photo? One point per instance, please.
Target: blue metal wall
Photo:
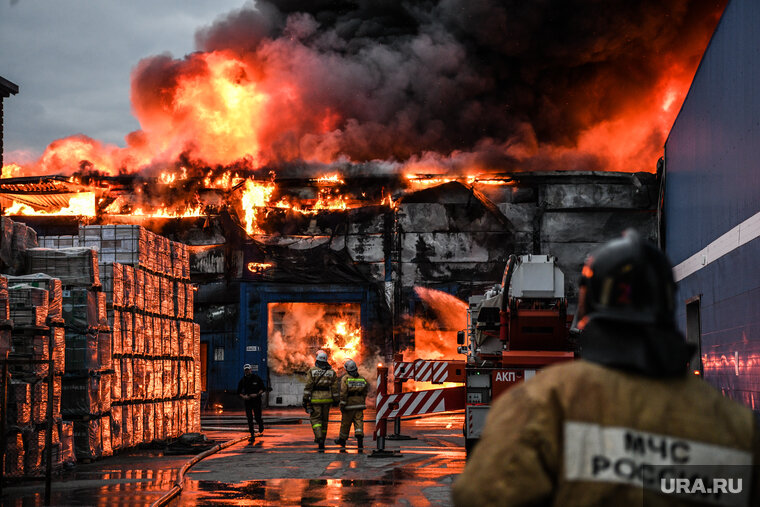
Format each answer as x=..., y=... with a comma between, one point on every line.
x=713, y=184
x=249, y=343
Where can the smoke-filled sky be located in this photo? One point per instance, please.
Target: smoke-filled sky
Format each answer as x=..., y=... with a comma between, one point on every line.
x=439, y=84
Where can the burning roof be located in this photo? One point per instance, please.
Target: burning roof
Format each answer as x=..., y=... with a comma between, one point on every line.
x=455, y=87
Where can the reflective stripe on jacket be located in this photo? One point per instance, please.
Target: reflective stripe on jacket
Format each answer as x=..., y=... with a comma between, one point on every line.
x=353, y=392
x=582, y=434
x=321, y=386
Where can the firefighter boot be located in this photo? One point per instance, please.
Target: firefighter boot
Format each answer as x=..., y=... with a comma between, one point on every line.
x=321, y=444
x=360, y=441
x=340, y=441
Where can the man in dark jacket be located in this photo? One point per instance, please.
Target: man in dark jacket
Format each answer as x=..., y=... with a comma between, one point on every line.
x=621, y=425
x=251, y=388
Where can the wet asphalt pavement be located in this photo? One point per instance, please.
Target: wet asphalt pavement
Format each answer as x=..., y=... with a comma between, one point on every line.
x=283, y=467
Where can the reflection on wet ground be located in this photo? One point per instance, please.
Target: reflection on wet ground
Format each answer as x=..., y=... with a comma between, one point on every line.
x=283, y=467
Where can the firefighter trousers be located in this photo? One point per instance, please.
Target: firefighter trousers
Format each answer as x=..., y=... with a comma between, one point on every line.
x=355, y=417
x=320, y=415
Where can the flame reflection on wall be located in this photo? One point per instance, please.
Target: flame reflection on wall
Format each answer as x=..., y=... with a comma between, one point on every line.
x=435, y=330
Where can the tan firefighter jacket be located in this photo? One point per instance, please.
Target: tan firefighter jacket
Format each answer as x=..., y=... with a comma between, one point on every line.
x=353, y=392
x=321, y=386
x=583, y=434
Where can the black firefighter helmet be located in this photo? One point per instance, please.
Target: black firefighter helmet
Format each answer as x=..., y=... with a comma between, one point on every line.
x=626, y=309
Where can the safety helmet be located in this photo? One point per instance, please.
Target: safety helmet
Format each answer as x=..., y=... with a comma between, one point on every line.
x=627, y=280
x=322, y=356
x=350, y=366
x=246, y=367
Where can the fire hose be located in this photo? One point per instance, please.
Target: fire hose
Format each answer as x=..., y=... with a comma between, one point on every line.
x=166, y=497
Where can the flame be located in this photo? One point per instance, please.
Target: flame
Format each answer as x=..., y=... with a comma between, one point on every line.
x=298, y=330
x=435, y=336
x=81, y=204
x=255, y=195
x=12, y=171
x=258, y=267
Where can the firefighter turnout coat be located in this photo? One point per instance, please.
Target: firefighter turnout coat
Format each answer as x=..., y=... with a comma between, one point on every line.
x=320, y=391
x=585, y=434
x=353, y=393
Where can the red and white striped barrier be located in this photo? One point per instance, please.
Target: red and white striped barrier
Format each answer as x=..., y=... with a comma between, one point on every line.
x=430, y=401
x=436, y=372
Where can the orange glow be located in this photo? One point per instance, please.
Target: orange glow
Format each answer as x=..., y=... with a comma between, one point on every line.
x=255, y=195
x=12, y=171
x=298, y=330
x=258, y=267
x=81, y=204
x=435, y=334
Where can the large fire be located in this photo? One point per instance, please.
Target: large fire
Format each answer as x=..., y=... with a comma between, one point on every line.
x=435, y=330
x=447, y=90
x=298, y=330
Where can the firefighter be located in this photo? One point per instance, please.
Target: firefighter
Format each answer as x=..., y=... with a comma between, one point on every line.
x=251, y=388
x=613, y=427
x=320, y=392
x=353, y=393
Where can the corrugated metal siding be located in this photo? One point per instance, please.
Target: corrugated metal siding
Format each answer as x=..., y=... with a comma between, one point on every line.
x=712, y=184
x=712, y=153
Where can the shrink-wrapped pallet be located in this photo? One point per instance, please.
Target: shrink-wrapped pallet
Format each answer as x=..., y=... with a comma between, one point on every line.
x=105, y=355
x=137, y=423
x=116, y=428
x=179, y=299
x=114, y=320
x=176, y=259
x=87, y=439
x=148, y=334
x=168, y=419
x=182, y=417
x=67, y=442
x=138, y=375
x=73, y=266
x=139, y=289
x=150, y=381
x=190, y=376
x=13, y=464
x=166, y=337
x=166, y=291
x=57, y=396
x=80, y=396
x=28, y=305
x=127, y=338
x=39, y=402
x=104, y=392
x=125, y=244
x=33, y=346
x=112, y=280
x=64, y=241
x=150, y=293
x=82, y=309
x=131, y=287
x=126, y=426
x=126, y=378
x=138, y=335
x=169, y=379
x=34, y=445
x=173, y=337
x=158, y=378
x=58, y=335
x=159, y=430
x=45, y=282
x=149, y=425
x=105, y=436
x=189, y=301
x=81, y=352
x=116, y=380
x=19, y=403
x=4, y=302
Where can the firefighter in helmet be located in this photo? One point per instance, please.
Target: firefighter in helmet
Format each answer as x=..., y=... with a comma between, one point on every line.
x=320, y=392
x=610, y=428
x=353, y=393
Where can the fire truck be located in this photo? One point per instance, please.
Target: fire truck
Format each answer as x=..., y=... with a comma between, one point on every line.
x=513, y=330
